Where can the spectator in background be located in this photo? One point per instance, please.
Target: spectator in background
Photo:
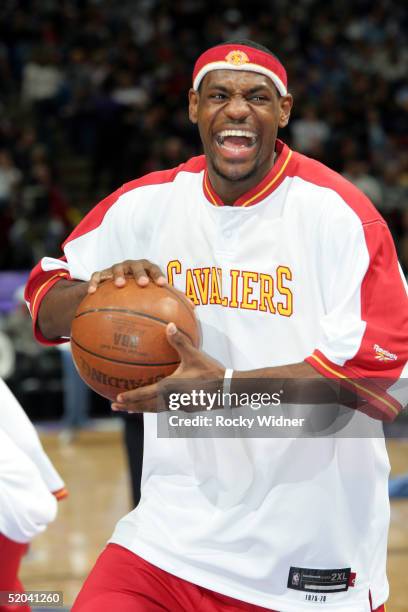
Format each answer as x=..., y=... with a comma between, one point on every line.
x=10, y=182
x=395, y=194
x=357, y=171
x=10, y=179
x=127, y=93
x=25, y=144
x=109, y=136
x=391, y=60
x=42, y=86
x=76, y=394
x=5, y=73
x=169, y=153
x=42, y=80
x=42, y=215
x=310, y=133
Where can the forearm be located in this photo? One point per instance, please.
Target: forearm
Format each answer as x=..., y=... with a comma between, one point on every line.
x=58, y=308
x=299, y=382
x=59, y=305
x=293, y=370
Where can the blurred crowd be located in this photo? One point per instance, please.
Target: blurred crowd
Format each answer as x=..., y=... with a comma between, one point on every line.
x=107, y=82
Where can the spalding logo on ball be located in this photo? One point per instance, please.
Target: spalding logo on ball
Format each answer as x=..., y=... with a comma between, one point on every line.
x=118, y=335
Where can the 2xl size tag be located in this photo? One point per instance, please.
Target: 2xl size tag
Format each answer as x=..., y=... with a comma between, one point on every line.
x=319, y=580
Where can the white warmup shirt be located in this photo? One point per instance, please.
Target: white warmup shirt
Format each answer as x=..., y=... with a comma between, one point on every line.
x=302, y=267
x=29, y=483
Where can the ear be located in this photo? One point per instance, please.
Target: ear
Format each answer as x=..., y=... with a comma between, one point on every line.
x=285, y=107
x=193, y=97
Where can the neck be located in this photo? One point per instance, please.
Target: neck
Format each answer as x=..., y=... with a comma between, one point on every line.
x=230, y=191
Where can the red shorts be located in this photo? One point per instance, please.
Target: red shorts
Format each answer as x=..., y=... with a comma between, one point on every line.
x=125, y=582
x=11, y=554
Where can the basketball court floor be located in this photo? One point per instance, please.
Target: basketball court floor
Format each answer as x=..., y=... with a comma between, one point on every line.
x=94, y=468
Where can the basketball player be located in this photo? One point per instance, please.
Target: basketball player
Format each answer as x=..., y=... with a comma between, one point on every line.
x=289, y=267
x=29, y=490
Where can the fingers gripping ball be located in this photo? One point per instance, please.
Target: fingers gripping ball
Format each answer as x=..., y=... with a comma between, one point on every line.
x=118, y=335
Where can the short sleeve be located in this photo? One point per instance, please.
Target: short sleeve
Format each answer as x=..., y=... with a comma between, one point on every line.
x=364, y=331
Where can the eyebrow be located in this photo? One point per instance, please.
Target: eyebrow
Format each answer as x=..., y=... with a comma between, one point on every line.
x=249, y=91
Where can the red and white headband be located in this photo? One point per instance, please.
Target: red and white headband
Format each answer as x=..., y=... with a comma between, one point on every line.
x=240, y=57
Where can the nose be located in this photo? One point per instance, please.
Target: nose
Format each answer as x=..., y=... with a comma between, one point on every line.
x=237, y=108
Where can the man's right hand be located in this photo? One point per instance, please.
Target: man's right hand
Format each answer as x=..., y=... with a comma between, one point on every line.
x=59, y=305
x=142, y=270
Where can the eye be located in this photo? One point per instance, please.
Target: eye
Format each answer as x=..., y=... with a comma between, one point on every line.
x=258, y=98
x=218, y=96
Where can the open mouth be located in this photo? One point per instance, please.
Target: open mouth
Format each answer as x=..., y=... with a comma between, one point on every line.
x=236, y=142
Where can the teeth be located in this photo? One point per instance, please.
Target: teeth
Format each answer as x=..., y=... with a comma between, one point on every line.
x=243, y=133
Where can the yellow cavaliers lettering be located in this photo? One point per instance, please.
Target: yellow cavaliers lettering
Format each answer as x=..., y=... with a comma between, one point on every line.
x=247, y=290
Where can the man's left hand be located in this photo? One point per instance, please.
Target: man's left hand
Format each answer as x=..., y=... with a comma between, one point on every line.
x=195, y=369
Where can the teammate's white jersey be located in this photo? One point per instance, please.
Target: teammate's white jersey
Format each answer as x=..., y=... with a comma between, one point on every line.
x=302, y=267
x=29, y=483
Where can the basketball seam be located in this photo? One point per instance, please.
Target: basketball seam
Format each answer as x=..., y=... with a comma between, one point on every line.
x=134, y=312
x=181, y=300
x=129, y=363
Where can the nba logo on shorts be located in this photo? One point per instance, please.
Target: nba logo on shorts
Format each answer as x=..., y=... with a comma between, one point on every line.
x=295, y=579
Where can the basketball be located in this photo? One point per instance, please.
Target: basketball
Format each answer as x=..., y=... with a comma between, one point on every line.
x=118, y=335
